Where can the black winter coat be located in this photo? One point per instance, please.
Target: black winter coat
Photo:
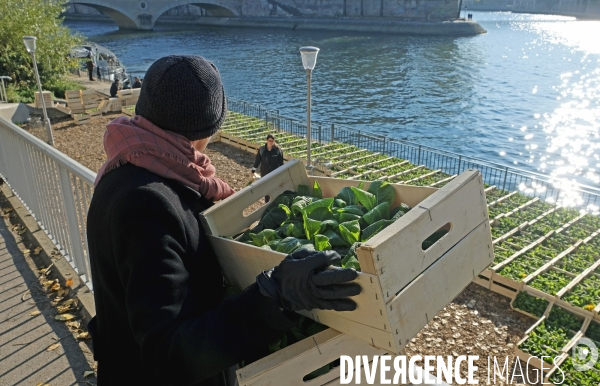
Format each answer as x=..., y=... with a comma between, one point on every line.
x=268, y=160
x=113, y=89
x=160, y=314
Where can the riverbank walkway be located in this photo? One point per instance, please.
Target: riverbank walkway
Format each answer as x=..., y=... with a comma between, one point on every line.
x=35, y=348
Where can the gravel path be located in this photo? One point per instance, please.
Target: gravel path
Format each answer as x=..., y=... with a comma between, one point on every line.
x=477, y=322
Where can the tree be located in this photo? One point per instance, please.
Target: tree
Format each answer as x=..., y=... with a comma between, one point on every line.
x=42, y=19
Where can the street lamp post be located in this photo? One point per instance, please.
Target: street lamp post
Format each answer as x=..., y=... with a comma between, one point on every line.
x=309, y=59
x=30, y=46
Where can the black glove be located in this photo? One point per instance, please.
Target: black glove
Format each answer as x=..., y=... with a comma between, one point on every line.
x=305, y=280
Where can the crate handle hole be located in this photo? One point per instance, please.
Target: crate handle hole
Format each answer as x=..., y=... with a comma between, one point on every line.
x=257, y=205
x=331, y=366
x=436, y=236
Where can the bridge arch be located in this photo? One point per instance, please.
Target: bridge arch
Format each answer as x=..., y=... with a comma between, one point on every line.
x=142, y=14
x=215, y=9
x=121, y=16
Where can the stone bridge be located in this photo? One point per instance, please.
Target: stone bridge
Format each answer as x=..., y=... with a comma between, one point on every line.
x=142, y=14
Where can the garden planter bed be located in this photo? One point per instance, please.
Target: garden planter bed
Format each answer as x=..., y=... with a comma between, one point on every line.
x=523, y=219
x=552, y=335
x=391, y=308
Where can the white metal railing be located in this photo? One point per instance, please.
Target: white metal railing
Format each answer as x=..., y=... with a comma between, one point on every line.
x=54, y=188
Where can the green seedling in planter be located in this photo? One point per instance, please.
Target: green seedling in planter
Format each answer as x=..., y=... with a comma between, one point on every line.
x=530, y=304
x=593, y=332
x=573, y=377
x=551, y=281
x=563, y=319
x=586, y=294
x=546, y=340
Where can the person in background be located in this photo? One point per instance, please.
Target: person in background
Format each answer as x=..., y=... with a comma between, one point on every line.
x=114, y=87
x=136, y=82
x=161, y=314
x=269, y=157
x=89, y=65
x=98, y=74
x=127, y=85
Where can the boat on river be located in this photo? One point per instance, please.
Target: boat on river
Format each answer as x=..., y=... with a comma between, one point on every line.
x=106, y=61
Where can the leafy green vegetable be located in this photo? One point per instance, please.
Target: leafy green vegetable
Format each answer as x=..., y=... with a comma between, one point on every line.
x=317, y=192
x=374, y=228
x=380, y=212
x=303, y=190
x=383, y=191
x=348, y=196
x=367, y=199
x=311, y=228
x=350, y=231
x=322, y=243
x=263, y=237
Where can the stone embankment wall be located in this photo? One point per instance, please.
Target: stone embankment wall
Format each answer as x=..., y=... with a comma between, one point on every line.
x=584, y=9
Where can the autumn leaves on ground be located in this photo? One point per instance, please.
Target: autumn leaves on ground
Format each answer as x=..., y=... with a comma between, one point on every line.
x=477, y=322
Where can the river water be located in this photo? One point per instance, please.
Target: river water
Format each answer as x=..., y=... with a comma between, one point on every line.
x=526, y=94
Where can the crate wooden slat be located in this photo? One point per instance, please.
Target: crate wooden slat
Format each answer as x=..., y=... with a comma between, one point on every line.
x=80, y=119
x=94, y=114
x=124, y=93
x=391, y=307
x=294, y=362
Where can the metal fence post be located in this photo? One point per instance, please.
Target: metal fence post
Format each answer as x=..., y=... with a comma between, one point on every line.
x=419, y=156
x=76, y=247
x=332, y=132
x=267, y=119
x=384, y=150
x=505, y=176
x=319, y=134
x=458, y=168
x=277, y=121
x=358, y=139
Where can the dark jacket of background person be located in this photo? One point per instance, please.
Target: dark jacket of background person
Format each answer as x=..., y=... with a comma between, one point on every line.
x=137, y=84
x=114, y=87
x=268, y=160
x=154, y=223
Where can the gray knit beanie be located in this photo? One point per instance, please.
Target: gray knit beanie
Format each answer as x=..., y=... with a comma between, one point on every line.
x=183, y=94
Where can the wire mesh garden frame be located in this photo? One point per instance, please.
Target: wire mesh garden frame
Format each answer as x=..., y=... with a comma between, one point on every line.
x=503, y=177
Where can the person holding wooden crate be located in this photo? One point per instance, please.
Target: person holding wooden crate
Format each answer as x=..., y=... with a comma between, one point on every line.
x=269, y=157
x=161, y=315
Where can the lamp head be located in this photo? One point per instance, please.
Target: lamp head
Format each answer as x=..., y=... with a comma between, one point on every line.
x=309, y=57
x=29, y=43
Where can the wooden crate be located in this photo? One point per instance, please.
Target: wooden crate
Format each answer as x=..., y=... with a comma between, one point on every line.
x=294, y=362
x=80, y=119
x=47, y=95
x=505, y=286
x=484, y=279
x=72, y=94
x=114, y=104
x=403, y=286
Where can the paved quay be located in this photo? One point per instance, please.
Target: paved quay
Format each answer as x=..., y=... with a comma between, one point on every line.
x=35, y=348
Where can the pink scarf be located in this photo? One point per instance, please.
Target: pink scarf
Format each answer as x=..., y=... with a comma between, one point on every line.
x=170, y=155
